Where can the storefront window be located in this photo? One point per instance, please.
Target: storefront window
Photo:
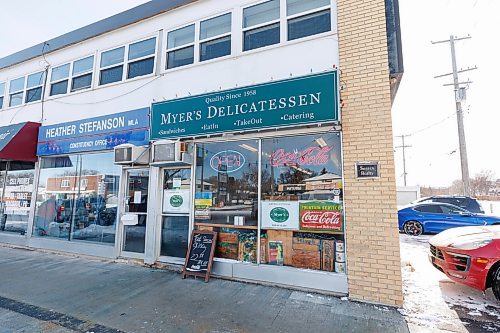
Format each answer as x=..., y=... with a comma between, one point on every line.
x=77, y=198
x=302, y=205
x=16, y=188
x=226, y=197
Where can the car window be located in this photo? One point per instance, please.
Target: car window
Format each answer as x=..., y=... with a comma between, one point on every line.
x=451, y=210
x=429, y=209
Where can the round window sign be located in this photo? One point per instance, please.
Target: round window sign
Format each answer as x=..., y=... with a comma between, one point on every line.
x=227, y=161
x=176, y=201
x=279, y=214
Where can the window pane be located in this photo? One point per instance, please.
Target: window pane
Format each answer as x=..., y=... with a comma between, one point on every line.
x=215, y=48
x=302, y=202
x=59, y=73
x=180, y=37
x=226, y=195
x=2, y=89
x=81, y=82
x=180, y=57
x=112, y=57
x=309, y=25
x=16, y=99
x=142, y=49
x=35, y=80
x=17, y=200
x=261, y=37
x=59, y=88
x=110, y=75
x=141, y=67
x=261, y=13
x=215, y=26
x=1, y=102
x=299, y=6
x=16, y=85
x=34, y=95
x=78, y=198
x=83, y=65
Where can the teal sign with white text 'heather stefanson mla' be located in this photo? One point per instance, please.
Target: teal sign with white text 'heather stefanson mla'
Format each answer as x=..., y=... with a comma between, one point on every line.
x=305, y=100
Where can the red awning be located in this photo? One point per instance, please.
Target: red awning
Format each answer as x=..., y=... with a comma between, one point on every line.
x=18, y=142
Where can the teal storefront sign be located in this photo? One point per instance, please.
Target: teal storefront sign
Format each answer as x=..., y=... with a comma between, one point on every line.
x=305, y=100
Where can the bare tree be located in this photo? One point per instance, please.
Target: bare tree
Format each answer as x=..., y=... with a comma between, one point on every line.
x=482, y=183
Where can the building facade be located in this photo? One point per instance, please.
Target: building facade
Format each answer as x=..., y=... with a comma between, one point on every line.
x=266, y=121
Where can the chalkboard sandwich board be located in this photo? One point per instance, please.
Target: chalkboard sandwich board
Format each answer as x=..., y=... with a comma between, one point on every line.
x=200, y=254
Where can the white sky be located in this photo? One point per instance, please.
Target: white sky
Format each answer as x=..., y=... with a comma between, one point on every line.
x=421, y=101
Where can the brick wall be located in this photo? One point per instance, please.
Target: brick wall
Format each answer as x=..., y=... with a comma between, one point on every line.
x=374, y=269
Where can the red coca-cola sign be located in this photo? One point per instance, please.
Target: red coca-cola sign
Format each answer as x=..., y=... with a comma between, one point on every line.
x=308, y=156
x=321, y=215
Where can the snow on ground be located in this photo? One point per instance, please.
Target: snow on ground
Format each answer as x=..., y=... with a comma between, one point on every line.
x=434, y=303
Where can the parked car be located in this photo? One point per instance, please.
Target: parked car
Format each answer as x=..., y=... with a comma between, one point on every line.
x=467, y=203
x=432, y=217
x=469, y=255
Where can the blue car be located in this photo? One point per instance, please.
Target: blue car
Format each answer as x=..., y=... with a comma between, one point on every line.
x=434, y=217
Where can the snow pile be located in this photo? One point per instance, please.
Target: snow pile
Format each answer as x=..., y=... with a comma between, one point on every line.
x=431, y=298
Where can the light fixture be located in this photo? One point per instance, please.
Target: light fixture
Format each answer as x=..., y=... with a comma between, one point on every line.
x=321, y=142
x=248, y=147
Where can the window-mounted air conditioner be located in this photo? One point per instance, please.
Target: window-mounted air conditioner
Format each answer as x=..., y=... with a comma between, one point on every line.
x=130, y=154
x=168, y=152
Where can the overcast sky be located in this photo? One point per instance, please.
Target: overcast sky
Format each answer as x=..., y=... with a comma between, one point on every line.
x=423, y=107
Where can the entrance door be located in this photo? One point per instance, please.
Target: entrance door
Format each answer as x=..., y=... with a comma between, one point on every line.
x=136, y=203
x=176, y=206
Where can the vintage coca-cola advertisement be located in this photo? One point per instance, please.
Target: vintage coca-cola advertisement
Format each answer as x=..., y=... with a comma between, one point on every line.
x=309, y=156
x=321, y=216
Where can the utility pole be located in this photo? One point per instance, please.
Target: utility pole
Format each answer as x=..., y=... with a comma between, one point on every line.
x=404, y=155
x=459, y=96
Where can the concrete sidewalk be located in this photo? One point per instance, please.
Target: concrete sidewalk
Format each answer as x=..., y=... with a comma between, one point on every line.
x=86, y=295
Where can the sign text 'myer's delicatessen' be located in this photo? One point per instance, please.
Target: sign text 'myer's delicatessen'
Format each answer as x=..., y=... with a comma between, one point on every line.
x=304, y=100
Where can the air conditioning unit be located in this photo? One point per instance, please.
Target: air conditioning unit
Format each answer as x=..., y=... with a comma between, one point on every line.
x=130, y=154
x=169, y=152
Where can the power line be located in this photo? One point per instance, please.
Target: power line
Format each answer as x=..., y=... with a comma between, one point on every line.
x=459, y=97
x=404, y=155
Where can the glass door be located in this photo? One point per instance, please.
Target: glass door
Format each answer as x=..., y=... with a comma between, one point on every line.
x=176, y=206
x=136, y=203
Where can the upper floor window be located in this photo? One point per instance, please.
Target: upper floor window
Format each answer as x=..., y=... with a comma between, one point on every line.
x=140, y=61
x=141, y=56
x=112, y=66
x=82, y=73
x=16, y=91
x=307, y=18
x=180, y=47
x=59, y=80
x=65, y=183
x=215, y=37
x=261, y=25
x=34, y=87
x=2, y=94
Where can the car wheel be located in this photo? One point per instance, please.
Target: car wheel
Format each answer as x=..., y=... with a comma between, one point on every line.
x=413, y=228
x=495, y=283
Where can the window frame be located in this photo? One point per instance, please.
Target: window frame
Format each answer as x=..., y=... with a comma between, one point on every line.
x=122, y=63
x=279, y=20
x=72, y=76
x=2, y=93
x=193, y=44
x=23, y=91
x=125, y=61
x=40, y=85
x=60, y=80
x=152, y=55
x=65, y=183
x=210, y=39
